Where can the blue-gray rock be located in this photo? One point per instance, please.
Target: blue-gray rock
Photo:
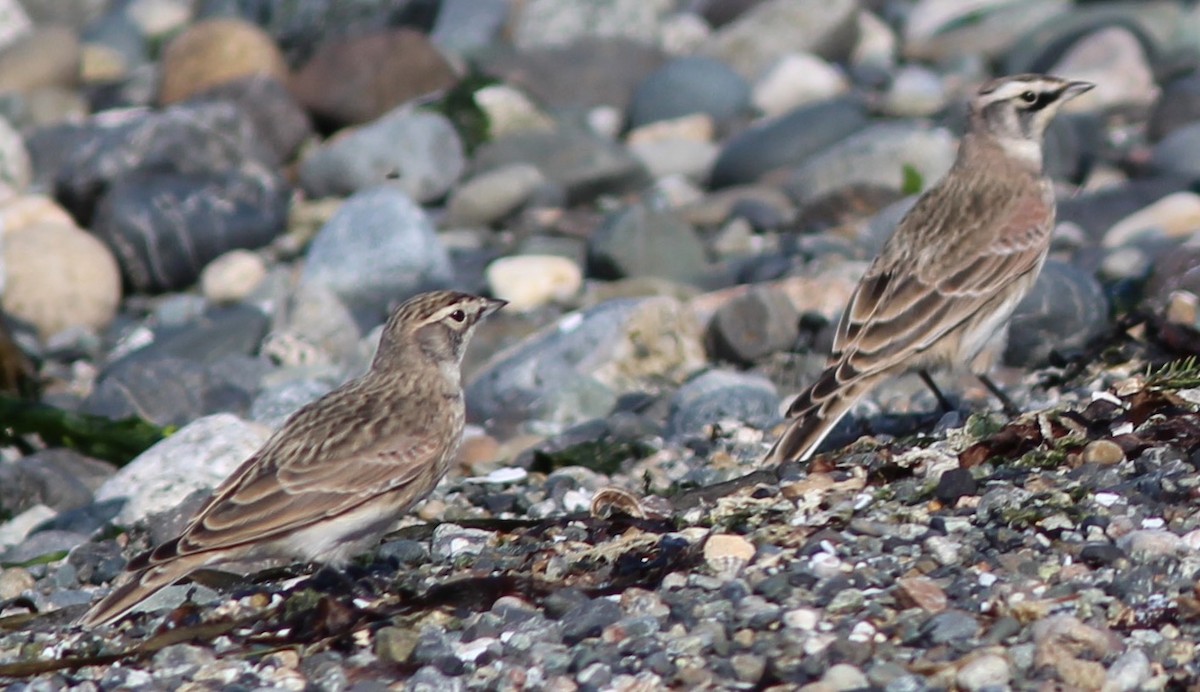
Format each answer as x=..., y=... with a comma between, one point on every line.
x=722, y=394
x=1178, y=105
x=570, y=80
x=164, y=227
x=275, y=404
x=419, y=150
x=644, y=241
x=378, y=249
x=278, y=119
x=210, y=336
x=952, y=626
x=80, y=162
x=620, y=345
x=752, y=325
x=583, y=163
x=588, y=619
x=119, y=33
x=42, y=543
x=164, y=390
x=1065, y=310
x=1179, y=153
x=687, y=85
x=467, y=26
x=1096, y=212
x=786, y=141
x=61, y=479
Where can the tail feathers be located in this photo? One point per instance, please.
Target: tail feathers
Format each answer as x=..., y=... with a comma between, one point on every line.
x=815, y=413
x=135, y=587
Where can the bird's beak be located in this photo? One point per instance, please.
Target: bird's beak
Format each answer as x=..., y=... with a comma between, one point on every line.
x=493, y=304
x=1074, y=89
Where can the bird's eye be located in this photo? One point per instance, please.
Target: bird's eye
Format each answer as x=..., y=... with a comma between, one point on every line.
x=458, y=315
x=1029, y=97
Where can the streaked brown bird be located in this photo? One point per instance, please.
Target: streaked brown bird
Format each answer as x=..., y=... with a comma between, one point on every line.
x=342, y=469
x=942, y=290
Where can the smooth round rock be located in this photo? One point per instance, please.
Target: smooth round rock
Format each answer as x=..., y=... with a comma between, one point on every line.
x=1179, y=152
x=689, y=85
x=378, y=249
x=418, y=151
x=541, y=23
x=1115, y=60
x=198, y=456
x=276, y=117
x=643, y=241
x=233, y=276
x=490, y=196
x=528, y=282
x=1178, y=105
x=164, y=227
x=773, y=28
x=797, y=79
x=986, y=672
x=356, y=79
x=786, y=141
x=57, y=276
x=1175, y=216
x=213, y=52
x=1065, y=309
x=718, y=395
x=752, y=325
x=46, y=56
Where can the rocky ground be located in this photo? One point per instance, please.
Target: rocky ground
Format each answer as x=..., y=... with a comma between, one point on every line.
x=208, y=207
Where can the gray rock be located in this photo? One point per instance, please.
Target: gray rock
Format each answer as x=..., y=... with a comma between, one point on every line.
x=752, y=325
x=378, y=249
x=162, y=389
x=1178, y=105
x=197, y=457
x=490, y=196
x=644, y=241
x=718, y=395
x=583, y=163
x=1096, y=212
x=1178, y=153
x=451, y=541
x=952, y=626
x=1129, y=672
x=164, y=228
x=274, y=405
x=588, y=619
x=279, y=121
x=42, y=543
x=877, y=156
x=945, y=30
x=1065, y=309
x=209, y=337
x=419, y=151
x=15, y=166
x=606, y=344
x=786, y=141
x=467, y=26
x=57, y=478
x=773, y=28
x=687, y=85
x=539, y=23
x=80, y=162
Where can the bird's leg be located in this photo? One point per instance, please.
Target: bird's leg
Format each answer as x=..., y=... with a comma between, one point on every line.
x=1009, y=407
x=937, y=393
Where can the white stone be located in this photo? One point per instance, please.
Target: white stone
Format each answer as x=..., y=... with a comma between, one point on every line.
x=198, y=456
x=233, y=276
x=528, y=282
x=797, y=79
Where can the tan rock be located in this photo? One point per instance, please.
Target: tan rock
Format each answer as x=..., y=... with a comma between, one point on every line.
x=528, y=282
x=232, y=276
x=47, y=56
x=215, y=52
x=58, y=276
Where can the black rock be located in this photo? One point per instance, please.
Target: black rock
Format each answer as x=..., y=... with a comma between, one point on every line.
x=954, y=484
x=1100, y=554
x=588, y=619
x=81, y=161
x=278, y=119
x=165, y=227
x=786, y=141
x=1065, y=310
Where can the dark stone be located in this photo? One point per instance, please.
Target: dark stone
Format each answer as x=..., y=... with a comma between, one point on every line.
x=161, y=389
x=954, y=484
x=165, y=227
x=97, y=562
x=1064, y=311
x=1178, y=105
x=276, y=116
x=1096, y=212
x=717, y=395
x=588, y=619
x=753, y=325
x=80, y=162
x=58, y=478
x=1100, y=554
x=562, y=601
x=687, y=85
x=952, y=626
x=643, y=241
x=786, y=141
x=43, y=543
x=235, y=330
x=404, y=552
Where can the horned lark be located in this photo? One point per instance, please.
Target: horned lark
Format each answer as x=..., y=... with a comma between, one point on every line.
x=342, y=469
x=945, y=284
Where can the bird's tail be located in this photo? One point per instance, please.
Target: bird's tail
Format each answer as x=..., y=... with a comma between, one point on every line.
x=818, y=409
x=135, y=587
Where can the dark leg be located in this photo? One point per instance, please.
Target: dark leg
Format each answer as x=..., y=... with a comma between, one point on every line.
x=941, y=398
x=1009, y=407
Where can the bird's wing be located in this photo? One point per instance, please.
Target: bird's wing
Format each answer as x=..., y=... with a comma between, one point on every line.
x=905, y=304
x=320, y=464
